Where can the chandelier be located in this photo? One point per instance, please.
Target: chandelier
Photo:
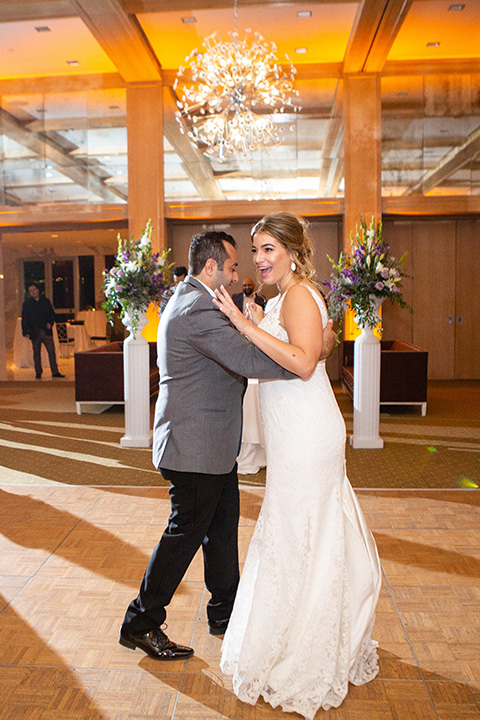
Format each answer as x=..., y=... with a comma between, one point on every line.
x=230, y=93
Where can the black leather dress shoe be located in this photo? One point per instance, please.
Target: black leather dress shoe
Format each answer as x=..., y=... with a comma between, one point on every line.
x=58, y=374
x=156, y=644
x=217, y=627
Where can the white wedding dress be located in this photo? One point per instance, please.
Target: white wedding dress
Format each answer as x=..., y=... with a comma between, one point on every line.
x=301, y=626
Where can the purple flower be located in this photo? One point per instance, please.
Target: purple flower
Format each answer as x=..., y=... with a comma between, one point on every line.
x=379, y=286
x=384, y=273
x=347, y=273
x=118, y=288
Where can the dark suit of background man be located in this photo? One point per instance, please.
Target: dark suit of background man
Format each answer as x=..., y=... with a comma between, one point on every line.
x=248, y=295
x=179, y=273
x=204, y=363
x=38, y=318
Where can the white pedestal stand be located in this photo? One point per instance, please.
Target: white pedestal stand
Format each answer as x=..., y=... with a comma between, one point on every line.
x=366, y=391
x=136, y=377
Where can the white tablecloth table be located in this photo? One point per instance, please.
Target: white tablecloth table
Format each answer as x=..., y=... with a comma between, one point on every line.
x=23, y=351
x=95, y=322
x=80, y=337
x=252, y=452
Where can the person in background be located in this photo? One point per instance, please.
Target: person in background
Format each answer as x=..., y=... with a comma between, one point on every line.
x=179, y=273
x=38, y=318
x=248, y=295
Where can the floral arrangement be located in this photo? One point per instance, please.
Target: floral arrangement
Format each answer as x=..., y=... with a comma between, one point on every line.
x=368, y=271
x=138, y=278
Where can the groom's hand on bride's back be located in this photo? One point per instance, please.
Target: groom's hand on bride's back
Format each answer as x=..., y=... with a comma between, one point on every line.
x=329, y=340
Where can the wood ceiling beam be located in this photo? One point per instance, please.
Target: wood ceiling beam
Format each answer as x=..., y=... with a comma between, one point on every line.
x=144, y=6
x=454, y=160
x=424, y=67
x=43, y=146
x=374, y=30
x=390, y=24
x=193, y=160
x=62, y=215
x=306, y=71
x=61, y=83
x=121, y=37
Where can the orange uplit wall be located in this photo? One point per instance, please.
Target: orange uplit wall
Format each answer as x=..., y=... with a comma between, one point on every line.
x=351, y=329
x=149, y=332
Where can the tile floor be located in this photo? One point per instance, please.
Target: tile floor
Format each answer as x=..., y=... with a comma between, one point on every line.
x=71, y=558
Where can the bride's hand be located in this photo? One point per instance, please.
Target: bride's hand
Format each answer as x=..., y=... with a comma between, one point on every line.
x=254, y=313
x=225, y=303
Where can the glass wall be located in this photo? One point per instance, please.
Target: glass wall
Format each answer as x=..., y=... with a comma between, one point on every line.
x=63, y=148
x=308, y=163
x=431, y=135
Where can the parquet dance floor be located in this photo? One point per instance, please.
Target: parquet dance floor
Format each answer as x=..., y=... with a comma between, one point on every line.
x=71, y=558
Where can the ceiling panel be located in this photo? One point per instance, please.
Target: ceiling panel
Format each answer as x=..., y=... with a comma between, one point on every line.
x=431, y=21
x=324, y=35
x=26, y=52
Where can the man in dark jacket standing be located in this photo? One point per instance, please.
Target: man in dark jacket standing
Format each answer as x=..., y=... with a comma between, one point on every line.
x=38, y=318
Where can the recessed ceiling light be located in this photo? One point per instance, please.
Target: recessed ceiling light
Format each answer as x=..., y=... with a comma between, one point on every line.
x=456, y=7
x=48, y=174
x=73, y=62
x=54, y=235
x=43, y=28
x=189, y=20
x=304, y=13
x=300, y=51
x=433, y=44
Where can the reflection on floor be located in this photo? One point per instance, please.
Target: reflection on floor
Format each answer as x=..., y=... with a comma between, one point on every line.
x=71, y=558
x=66, y=366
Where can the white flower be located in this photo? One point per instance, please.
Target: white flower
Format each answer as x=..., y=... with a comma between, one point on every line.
x=144, y=241
x=131, y=266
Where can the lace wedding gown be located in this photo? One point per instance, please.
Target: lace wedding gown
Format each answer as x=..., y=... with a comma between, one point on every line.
x=301, y=626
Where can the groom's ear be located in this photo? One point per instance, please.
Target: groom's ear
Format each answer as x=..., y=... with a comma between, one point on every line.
x=210, y=267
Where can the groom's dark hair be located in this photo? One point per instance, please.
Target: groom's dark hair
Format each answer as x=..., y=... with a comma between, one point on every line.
x=208, y=245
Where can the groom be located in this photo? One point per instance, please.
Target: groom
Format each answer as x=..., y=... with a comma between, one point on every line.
x=203, y=362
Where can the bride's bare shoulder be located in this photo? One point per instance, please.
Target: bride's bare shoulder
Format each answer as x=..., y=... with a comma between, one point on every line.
x=304, y=290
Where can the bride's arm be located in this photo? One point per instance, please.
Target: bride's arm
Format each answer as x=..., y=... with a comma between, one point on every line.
x=301, y=319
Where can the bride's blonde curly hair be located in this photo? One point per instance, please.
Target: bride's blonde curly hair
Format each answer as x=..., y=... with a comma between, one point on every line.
x=291, y=232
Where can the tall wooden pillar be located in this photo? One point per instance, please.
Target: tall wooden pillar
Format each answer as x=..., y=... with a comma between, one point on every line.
x=362, y=149
x=363, y=197
x=145, y=160
x=3, y=333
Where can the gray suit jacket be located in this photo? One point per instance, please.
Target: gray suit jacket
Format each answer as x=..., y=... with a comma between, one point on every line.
x=203, y=362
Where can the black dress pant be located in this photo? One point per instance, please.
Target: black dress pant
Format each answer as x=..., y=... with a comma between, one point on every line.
x=204, y=512
x=47, y=340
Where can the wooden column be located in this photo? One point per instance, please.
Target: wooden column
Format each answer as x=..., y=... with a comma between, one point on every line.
x=3, y=333
x=363, y=197
x=362, y=149
x=145, y=160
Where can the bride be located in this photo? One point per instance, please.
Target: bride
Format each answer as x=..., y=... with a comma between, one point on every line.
x=301, y=626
